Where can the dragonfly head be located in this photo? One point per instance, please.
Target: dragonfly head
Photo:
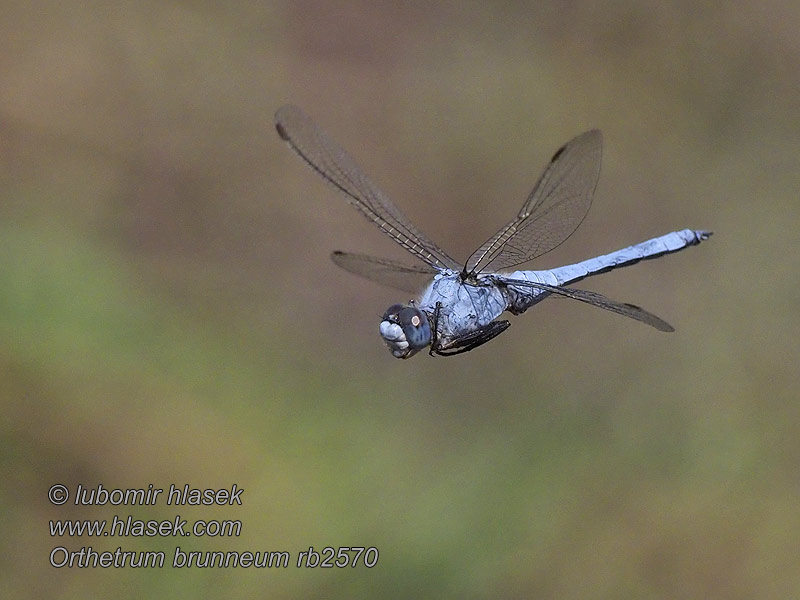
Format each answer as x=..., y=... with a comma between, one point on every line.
x=405, y=329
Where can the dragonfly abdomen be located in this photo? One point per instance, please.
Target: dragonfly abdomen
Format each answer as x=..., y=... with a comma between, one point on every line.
x=652, y=248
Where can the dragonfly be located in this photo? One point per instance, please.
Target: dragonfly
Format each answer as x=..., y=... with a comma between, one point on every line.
x=457, y=305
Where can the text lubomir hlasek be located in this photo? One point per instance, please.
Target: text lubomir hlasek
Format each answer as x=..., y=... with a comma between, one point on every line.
x=177, y=496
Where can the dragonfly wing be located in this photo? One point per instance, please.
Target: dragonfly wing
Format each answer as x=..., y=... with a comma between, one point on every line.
x=621, y=308
x=328, y=159
x=384, y=271
x=553, y=211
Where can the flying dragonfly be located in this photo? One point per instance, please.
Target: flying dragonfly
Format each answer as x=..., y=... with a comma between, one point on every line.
x=459, y=304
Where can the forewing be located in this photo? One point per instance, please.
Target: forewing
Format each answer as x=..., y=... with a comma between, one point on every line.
x=621, y=308
x=328, y=159
x=384, y=271
x=553, y=211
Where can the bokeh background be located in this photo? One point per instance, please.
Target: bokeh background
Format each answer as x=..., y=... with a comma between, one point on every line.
x=169, y=313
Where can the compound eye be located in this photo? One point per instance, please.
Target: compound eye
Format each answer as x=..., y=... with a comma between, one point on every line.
x=411, y=316
x=392, y=311
x=416, y=327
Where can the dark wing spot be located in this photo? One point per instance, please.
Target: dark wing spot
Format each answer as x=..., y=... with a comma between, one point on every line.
x=558, y=153
x=282, y=132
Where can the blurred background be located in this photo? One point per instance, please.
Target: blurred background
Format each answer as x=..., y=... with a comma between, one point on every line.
x=169, y=312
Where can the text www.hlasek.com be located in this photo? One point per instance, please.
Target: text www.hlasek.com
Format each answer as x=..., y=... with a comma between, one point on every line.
x=128, y=526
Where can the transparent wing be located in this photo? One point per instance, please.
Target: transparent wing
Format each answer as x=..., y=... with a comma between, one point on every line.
x=554, y=209
x=328, y=159
x=621, y=308
x=384, y=271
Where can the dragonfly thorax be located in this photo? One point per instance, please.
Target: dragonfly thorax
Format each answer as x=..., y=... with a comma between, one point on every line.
x=405, y=329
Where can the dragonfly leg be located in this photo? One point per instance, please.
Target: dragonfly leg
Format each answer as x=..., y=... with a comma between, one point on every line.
x=471, y=340
x=435, y=328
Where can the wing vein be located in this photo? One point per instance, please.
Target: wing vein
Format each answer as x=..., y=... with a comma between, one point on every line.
x=331, y=162
x=554, y=209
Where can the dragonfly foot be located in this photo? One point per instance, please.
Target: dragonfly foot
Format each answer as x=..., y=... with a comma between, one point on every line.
x=471, y=340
